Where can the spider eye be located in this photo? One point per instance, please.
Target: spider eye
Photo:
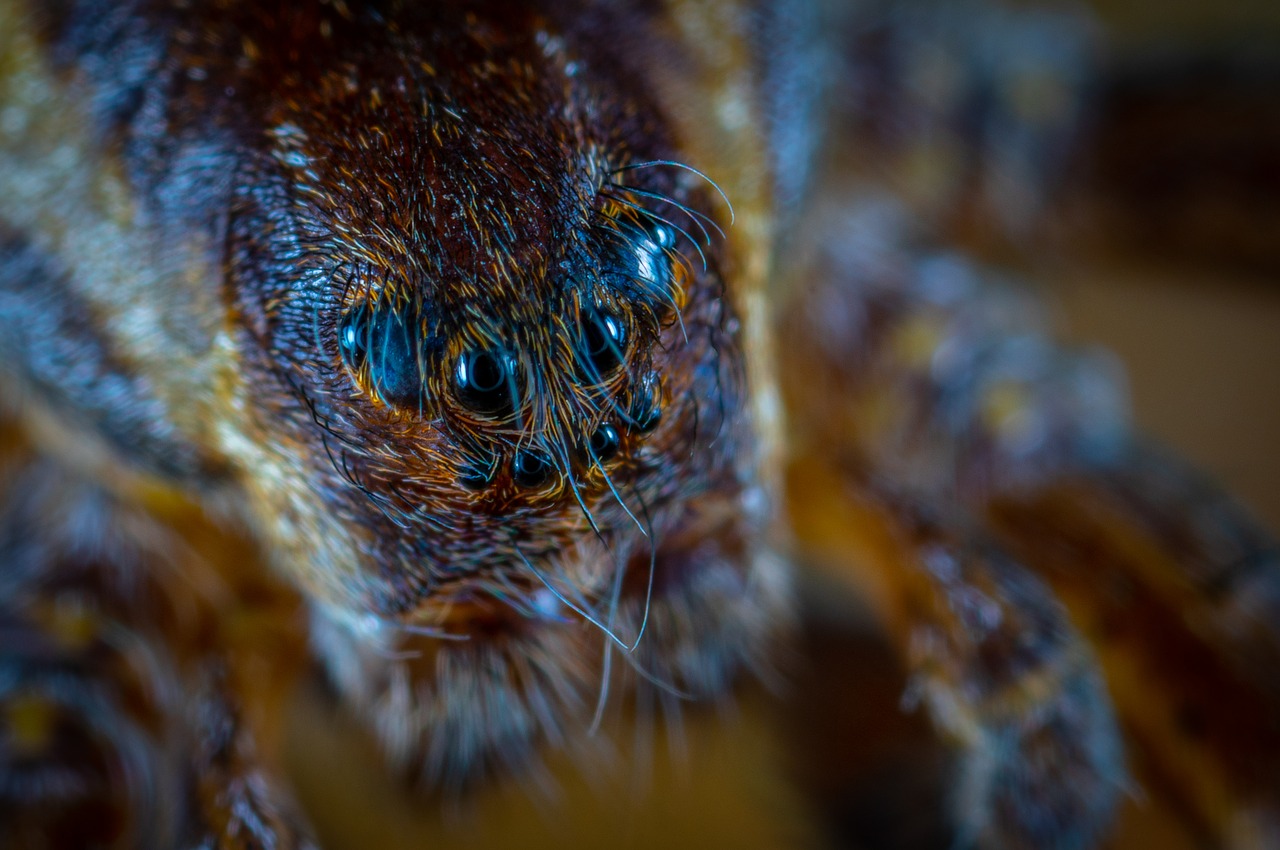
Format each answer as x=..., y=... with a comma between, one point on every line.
x=530, y=469
x=385, y=346
x=661, y=235
x=640, y=260
x=646, y=406
x=646, y=269
x=602, y=343
x=605, y=443
x=353, y=336
x=479, y=472
x=654, y=277
x=485, y=381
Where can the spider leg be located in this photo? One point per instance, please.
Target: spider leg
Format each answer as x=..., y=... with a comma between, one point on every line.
x=1003, y=672
x=121, y=721
x=1006, y=678
x=946, y=383
x=1181, y=589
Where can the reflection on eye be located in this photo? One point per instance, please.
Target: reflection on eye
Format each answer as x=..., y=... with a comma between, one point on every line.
x=641, y=261
x=602, y=343
x=653, y=264
x=605, y=443
x=530, y=468
x=485, y=381
x=646, y=405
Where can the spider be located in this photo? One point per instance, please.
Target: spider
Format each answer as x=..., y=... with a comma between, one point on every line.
x=491, y=364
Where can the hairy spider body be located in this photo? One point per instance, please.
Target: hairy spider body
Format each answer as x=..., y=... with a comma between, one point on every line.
x=457, y=339
x=440, y=306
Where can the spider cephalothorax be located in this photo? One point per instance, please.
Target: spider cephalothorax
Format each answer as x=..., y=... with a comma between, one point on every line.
x=489, y=308
x=495, y=344
x=463, y=341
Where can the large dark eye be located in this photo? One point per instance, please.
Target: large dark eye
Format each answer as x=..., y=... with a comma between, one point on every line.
x=486, y=381
x=602, y=344
x=638, y=260
x=388, y=343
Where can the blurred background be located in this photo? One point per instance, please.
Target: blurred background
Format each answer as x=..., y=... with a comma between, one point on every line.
x=1175, y=231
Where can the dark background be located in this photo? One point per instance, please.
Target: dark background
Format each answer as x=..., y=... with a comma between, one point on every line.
x=1176, y=251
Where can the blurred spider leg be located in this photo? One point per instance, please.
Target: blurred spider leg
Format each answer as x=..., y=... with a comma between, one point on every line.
x=238, y=803
x=936, y=376
x=1182, y=591
x=1001, y=669
x=1004, y=675
x=120, y=722
x=949, y=385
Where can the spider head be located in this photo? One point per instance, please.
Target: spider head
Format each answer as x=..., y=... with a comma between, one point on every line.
x=485, y=301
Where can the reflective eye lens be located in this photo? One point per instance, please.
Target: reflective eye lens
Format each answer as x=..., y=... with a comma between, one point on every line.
x=530, y=469
x=394, y=365
x=662, y=235
x=486, y=381
x=603, y=343
x=353, y=336
x=389, y=343
x=605, y=443
x=650, y=273
x=646, y=406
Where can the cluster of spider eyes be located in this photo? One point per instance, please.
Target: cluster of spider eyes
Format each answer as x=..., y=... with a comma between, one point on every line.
x=381, y=345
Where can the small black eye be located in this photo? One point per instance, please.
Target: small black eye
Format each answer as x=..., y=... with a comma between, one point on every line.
x=486, y=381
x=646, y=406
x=605, y=443
x=389, y=343
x=530, y=469
x=479, y=473
x=603, y=343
